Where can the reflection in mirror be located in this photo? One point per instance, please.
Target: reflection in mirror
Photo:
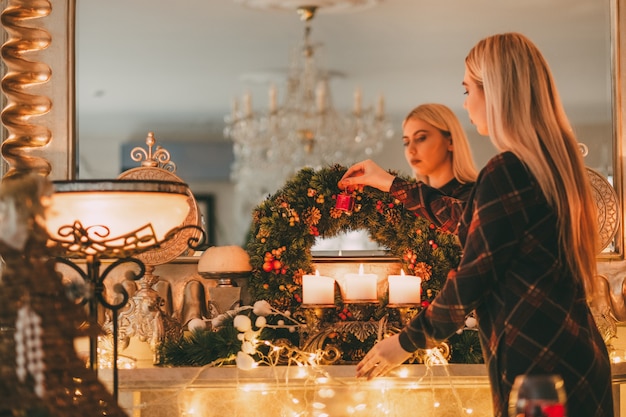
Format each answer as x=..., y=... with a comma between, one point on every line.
x=180, y=82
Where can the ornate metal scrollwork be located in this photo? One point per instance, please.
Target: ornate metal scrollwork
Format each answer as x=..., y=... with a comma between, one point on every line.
x=348, y=341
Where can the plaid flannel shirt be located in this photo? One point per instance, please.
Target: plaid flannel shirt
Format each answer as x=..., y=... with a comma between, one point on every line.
x=532, y=313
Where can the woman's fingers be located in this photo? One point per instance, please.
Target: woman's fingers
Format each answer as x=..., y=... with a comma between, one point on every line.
x=370, y=366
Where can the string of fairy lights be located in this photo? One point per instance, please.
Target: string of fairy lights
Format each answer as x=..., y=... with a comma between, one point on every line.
x=299, y=385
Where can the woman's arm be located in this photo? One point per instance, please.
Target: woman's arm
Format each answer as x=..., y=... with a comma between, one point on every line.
x=442, y=210
x=366, y=173
x=496, y=221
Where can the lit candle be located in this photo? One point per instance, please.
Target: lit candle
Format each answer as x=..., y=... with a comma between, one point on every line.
x=318, y=289
x=404, y=289
x=360, y=287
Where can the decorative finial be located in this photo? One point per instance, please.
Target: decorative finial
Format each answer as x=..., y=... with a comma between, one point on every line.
x=160, y=158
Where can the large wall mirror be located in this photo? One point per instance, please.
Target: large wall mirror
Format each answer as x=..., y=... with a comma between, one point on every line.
x=144, y=66
x=174, y=69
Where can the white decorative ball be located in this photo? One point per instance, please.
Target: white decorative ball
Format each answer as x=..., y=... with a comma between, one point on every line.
x=471, y=322
x=196, y=325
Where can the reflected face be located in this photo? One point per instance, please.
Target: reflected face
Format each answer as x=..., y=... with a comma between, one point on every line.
x=475, y=104
x=426, y=149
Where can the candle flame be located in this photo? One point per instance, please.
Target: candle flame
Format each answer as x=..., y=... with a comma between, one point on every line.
x=402, y=272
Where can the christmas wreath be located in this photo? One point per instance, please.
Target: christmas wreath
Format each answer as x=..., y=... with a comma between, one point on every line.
x=286, y=225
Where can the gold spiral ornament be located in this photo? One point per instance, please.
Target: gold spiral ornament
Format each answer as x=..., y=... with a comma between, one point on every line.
x=24, y=80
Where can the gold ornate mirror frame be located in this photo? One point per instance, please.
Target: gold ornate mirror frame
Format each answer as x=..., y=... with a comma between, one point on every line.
x=38, y=101
x=618, y=69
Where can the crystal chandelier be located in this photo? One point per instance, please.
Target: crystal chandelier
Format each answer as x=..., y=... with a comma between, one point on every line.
x=305, y=131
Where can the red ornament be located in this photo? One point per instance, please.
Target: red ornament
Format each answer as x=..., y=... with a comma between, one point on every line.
x=345, y=202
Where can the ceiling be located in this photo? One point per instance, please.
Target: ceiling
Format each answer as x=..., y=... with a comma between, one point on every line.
x=174, y=67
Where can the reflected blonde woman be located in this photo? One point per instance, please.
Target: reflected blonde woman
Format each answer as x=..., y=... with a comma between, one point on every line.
x=437, y=150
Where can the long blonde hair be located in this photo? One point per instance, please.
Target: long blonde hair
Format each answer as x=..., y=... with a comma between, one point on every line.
x=525, y=116
x=444, y=119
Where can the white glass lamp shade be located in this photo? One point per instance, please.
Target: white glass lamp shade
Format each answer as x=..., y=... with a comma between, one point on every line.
x=109, y=209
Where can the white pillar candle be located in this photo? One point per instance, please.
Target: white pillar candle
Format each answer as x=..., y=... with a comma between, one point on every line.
x=318, y=289
x=357, y=102
x=320, y=96
x=404, y=289
x=247, y=104
x=380, y=107
x=234, y=113
x=273, y=93
x=360, y=287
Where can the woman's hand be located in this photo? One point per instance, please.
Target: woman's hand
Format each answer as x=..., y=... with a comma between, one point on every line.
x=366, y=173
x=383, y=357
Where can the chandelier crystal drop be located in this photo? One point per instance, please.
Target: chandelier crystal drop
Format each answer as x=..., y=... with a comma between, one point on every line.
x=305, y=131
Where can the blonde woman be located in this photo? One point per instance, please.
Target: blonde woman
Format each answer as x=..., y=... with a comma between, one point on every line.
x=529, y=237
x=437, y=150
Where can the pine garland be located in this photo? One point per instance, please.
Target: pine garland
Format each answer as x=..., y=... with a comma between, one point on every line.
x=201, y=348
x=466, y=347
